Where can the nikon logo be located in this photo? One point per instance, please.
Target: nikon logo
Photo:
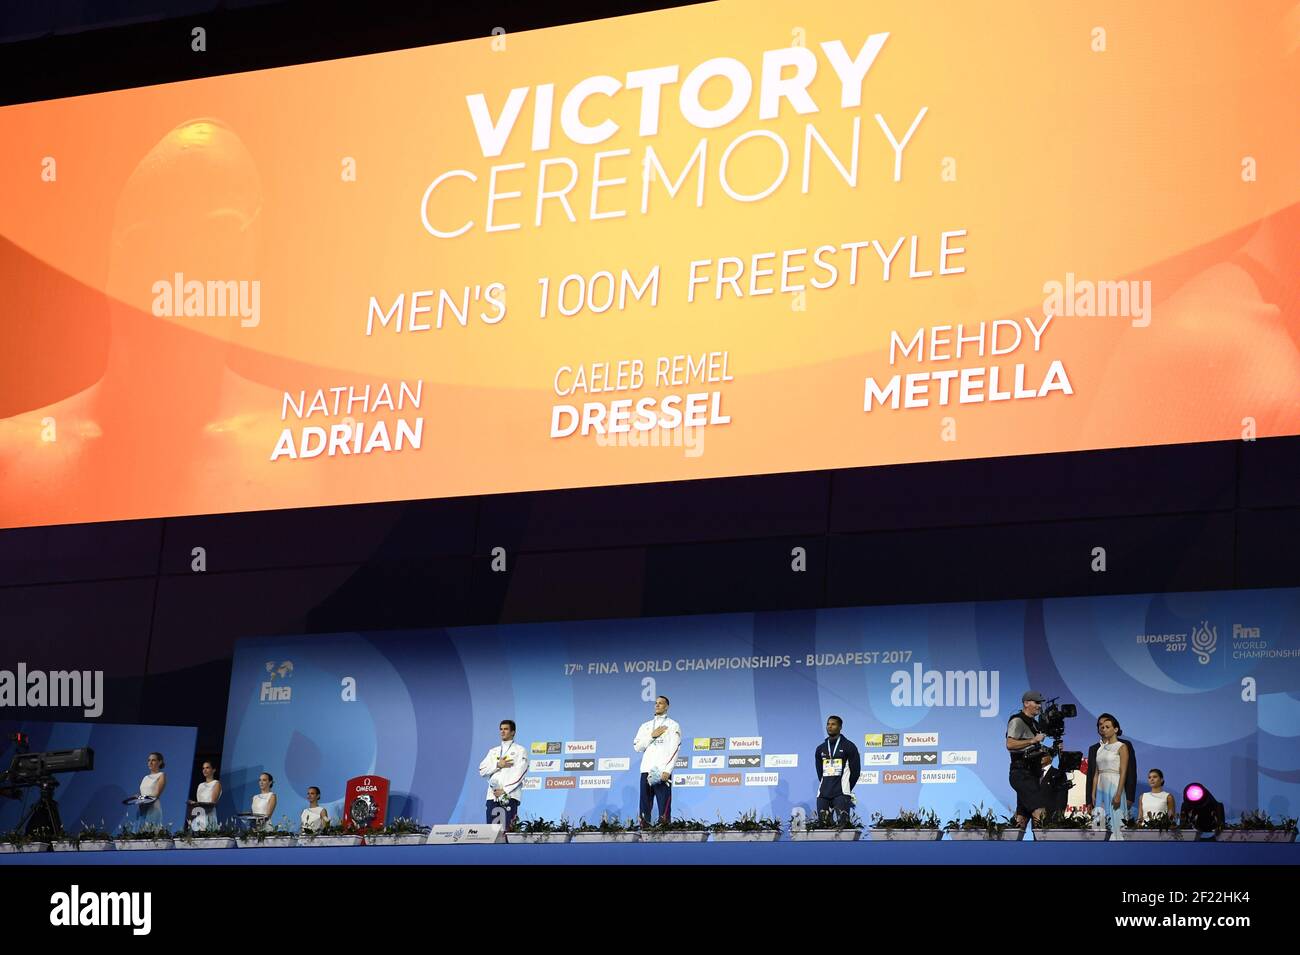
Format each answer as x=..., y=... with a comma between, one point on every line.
x=710, y=742
x=545, y=749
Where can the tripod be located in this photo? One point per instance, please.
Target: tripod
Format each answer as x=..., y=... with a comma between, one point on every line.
x=45, y=814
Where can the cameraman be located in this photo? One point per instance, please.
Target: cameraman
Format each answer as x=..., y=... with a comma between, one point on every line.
x=1022, y=734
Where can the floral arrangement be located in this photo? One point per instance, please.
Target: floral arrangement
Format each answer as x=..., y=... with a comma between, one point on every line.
x=980, y=818
x=537, y=827
x=1259, y=820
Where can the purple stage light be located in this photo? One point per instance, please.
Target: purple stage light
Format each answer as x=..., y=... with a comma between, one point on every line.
x=1193, y=793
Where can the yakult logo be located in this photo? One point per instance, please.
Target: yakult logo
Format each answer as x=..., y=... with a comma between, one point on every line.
x=579, y=746
x=920, y=739
x=745, y=742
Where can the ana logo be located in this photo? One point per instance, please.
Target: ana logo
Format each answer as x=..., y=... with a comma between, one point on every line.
x=780, y=760
x=744, y=762
x=707, y=762
x=612, y=764
x=899, y=775
x=880, y=759
x=544, y=765
x=277, y=694
x=746, y=742
x=922, y=757
x=724, y=779
x=870, y=776
x=762, y=779
x=920, y=739
x=932, y=688
x=561, y=782
x=875, y=739
x=579, y=746
x=595, y=782
x=579, y=765
x=960, y=757
x=1205, y=639
x=689, y=780
x=938, y=775
x=532, y=782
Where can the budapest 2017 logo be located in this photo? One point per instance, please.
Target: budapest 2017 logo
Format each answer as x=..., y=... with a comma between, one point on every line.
x=1205, y=639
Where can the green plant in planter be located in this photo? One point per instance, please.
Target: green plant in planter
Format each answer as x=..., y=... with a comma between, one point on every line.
x=91, y=833
x=142, y=833
x=538, y=827
x=1072, y=817
x=907, y=819
x=260, y=834
x=14, y=837
x=608, y=823
x=678, y=825
x=817, y=821
x=334, y=829
x=1258, y=820
x=226, y=830
x=748, y=822
x=1160, y=821
x=980, y=818
x=403, y=826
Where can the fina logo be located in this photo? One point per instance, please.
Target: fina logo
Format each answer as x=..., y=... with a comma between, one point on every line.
x=277, y=694
x=1205, y=640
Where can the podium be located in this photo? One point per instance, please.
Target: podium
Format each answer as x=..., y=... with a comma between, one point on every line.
x=466, y=835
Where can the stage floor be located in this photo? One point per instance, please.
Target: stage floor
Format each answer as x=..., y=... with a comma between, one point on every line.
x=774, y=853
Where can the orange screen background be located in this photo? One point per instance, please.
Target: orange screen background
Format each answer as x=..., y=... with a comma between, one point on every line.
x=1055, y=157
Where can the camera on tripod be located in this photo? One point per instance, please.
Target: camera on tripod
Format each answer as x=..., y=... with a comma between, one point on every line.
x=30, y=769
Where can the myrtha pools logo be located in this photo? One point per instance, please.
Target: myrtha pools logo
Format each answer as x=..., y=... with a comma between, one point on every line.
x=273, y=693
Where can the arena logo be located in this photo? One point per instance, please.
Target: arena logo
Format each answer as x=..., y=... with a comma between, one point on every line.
x=743, y=762
x=688, y=780
x=57, y=688
x=577, y=747
x=595, y=782
x=561, y=782
x=762, y=779
x=77, y=908
x=707, y=762
x=610, y=764
x=579, y=764
x=781, y=761
x=273, y=693
x=745, y=742
x=921, y=757
x=946, y=688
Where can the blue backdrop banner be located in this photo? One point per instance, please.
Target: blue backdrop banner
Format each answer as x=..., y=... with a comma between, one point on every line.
x=95, y=796
x=1205, y=685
